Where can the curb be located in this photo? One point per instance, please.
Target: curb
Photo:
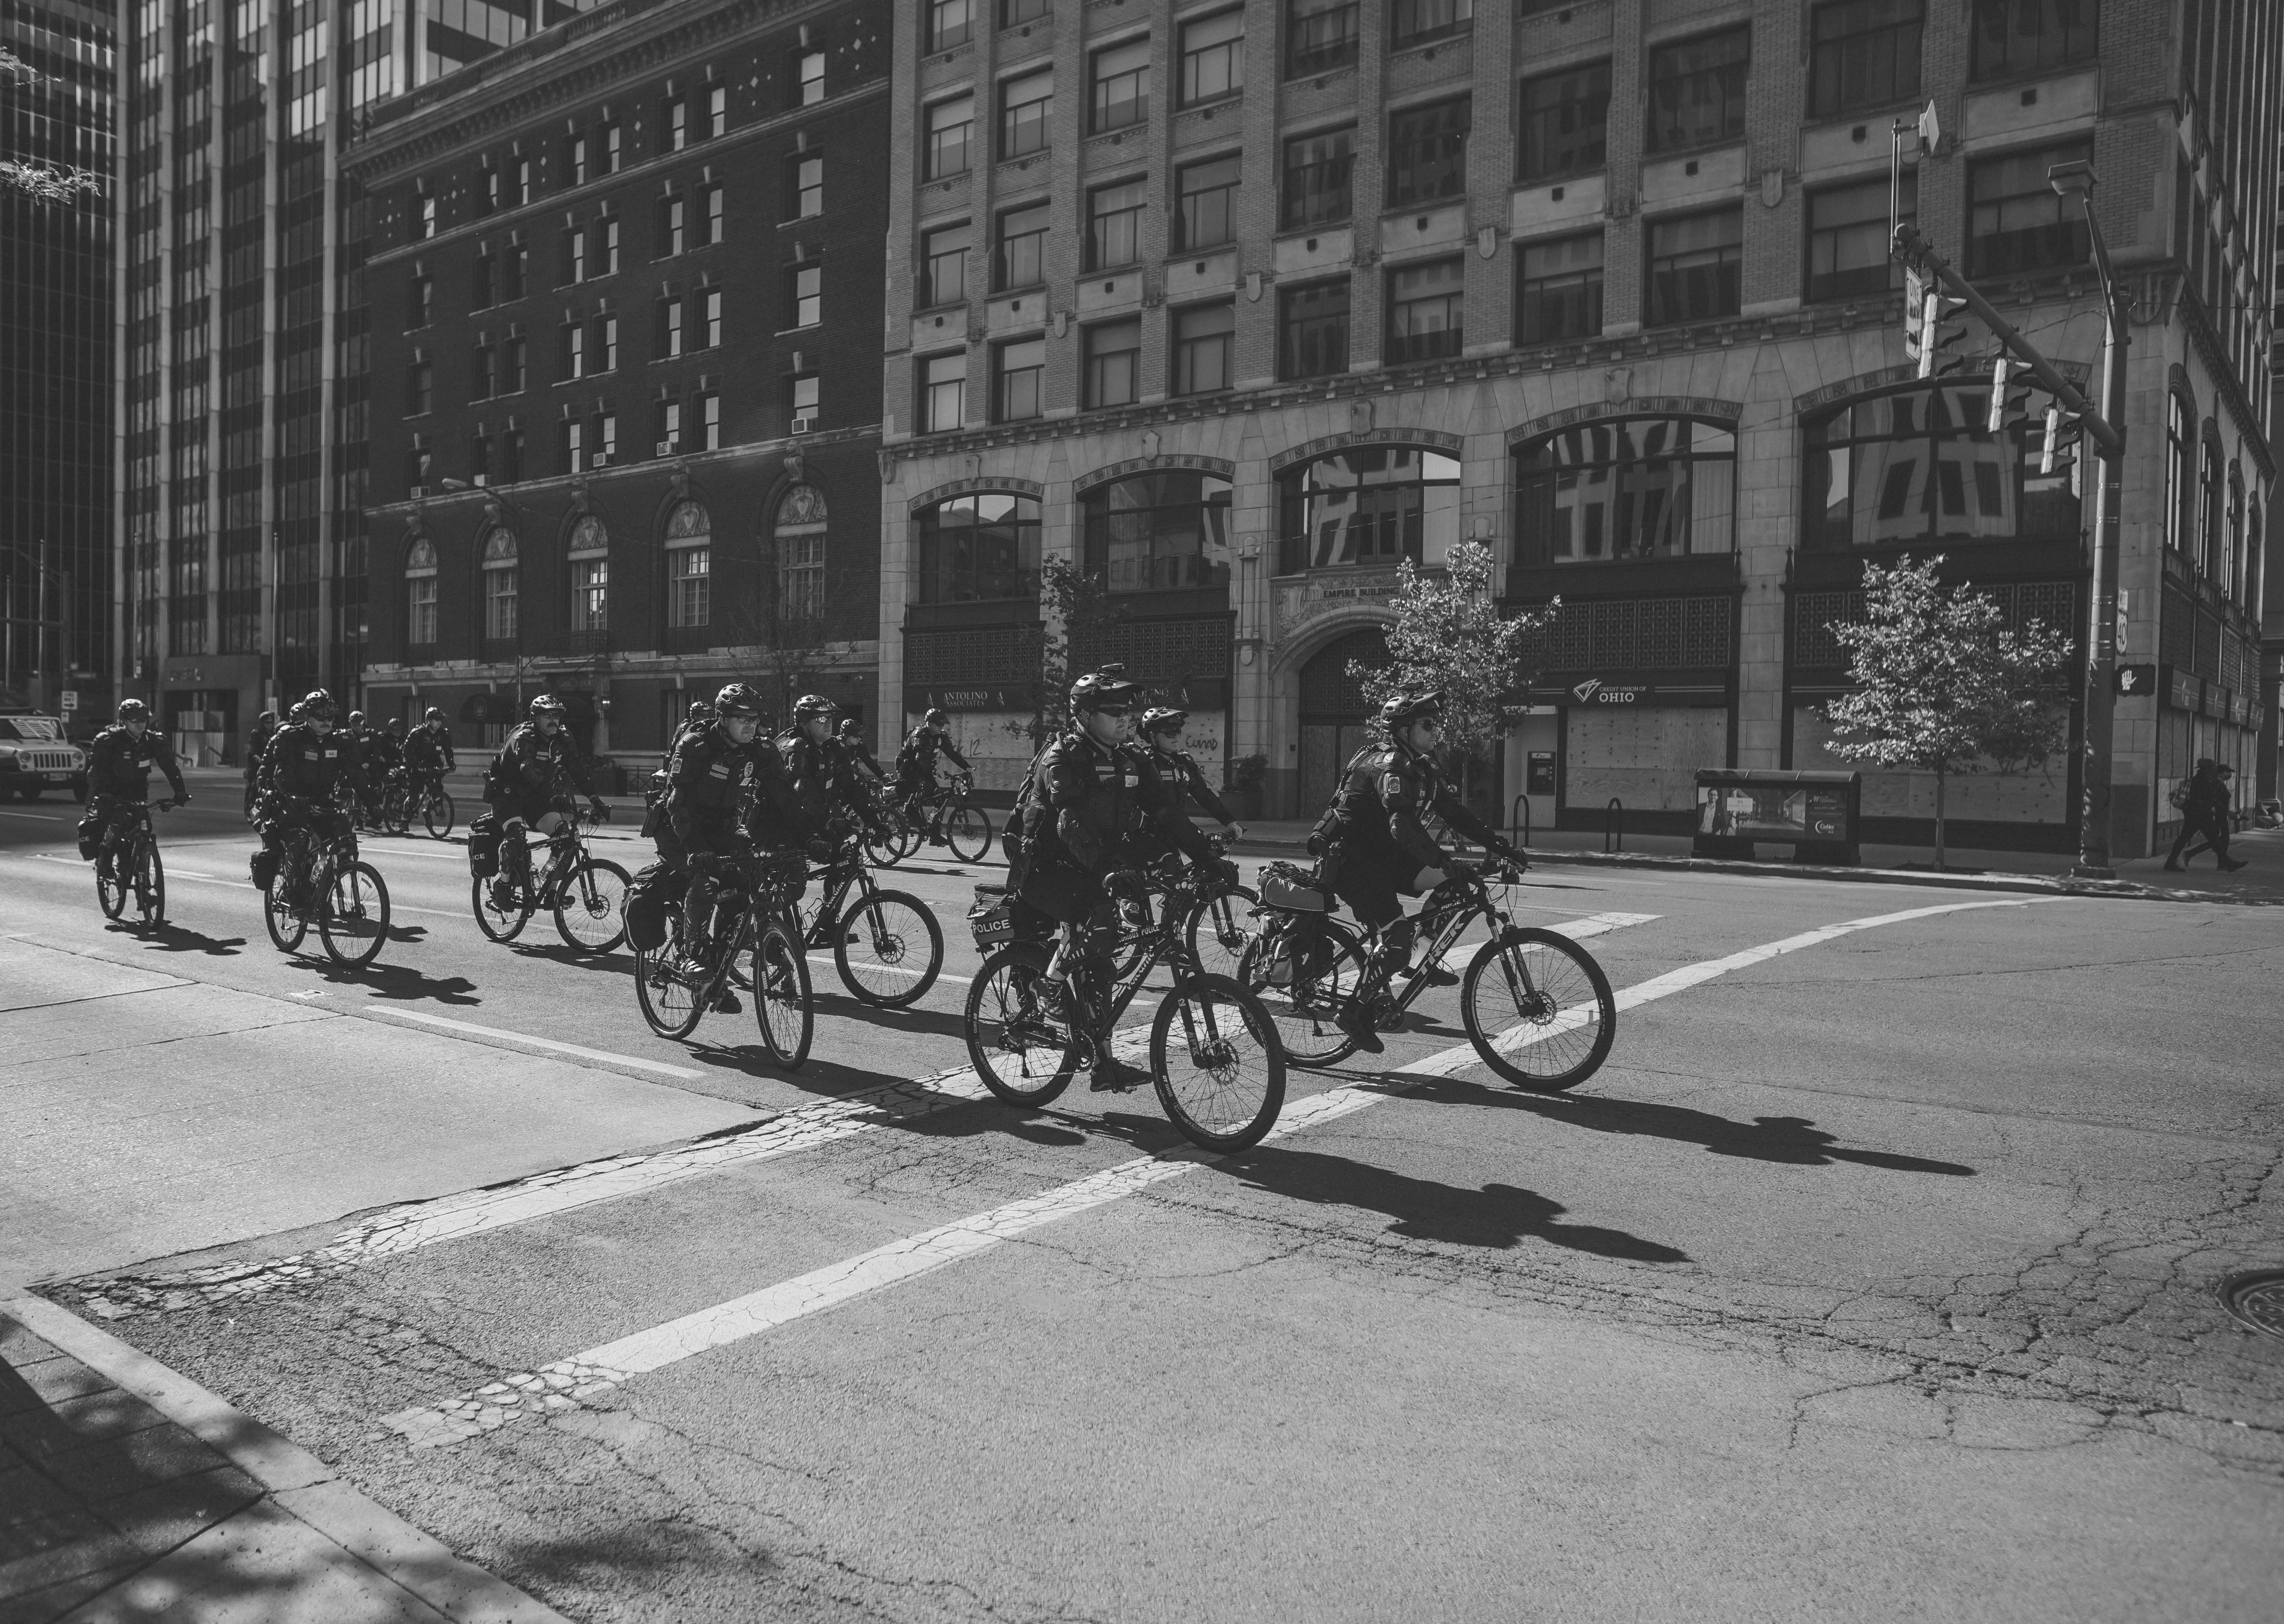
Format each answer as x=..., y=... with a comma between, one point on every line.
x=300, y=1485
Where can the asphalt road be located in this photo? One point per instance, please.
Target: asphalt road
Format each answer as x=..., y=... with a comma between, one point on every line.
x=1876, y=1279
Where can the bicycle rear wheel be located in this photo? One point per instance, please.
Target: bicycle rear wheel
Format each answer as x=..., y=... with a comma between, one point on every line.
x=111, y=890
x=353, y=917
x=286, y=926
x=1324, y=966
x=500, y=923
x=149, y=881
x=889, y=949
x=438, y=813
x=896, y=840
x=662, y=987
x=1023, y=1055
x=1219, y=929
x=1219, y=1068
x=781, y=997
x=1539, y=1009
x=590, y=911
x=967, y=831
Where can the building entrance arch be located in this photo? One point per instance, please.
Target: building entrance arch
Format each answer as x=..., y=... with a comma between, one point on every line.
x=1334, y=711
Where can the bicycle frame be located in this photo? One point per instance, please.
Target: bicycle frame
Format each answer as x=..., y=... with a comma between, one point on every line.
x=1454, y=915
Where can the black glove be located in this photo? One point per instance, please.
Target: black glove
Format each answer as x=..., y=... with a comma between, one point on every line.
x=182, y=798
x=1126, y=882
x=597, y=810
x=819, y=849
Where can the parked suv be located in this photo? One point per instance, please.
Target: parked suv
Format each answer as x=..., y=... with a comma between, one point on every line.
x=35, y=756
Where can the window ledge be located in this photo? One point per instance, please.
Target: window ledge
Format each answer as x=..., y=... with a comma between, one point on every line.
x=1532, y=183
x=1666, y=154
x=1225, y=99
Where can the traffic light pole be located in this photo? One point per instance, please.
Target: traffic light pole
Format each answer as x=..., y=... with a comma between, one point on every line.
x=2106, y=429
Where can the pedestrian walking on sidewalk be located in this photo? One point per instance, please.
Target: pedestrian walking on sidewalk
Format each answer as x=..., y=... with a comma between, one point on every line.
x=2205, y=815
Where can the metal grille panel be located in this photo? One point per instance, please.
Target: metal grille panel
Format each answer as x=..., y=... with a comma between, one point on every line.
x=1650, y=634
x=1162, y=651
x=2177, y=642
x=1812, y=617
x=996, y=654
x=2207, y=658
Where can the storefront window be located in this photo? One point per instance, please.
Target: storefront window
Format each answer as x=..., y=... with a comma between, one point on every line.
x=1159, y=532
x=1629, y=489
x=978, y=548
x=1371, y=507
x=1920, y=465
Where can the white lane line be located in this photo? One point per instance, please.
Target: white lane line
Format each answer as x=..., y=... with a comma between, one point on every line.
x=44, y=817
x=526, y=1040
x=944, y=978
x=569, y=1383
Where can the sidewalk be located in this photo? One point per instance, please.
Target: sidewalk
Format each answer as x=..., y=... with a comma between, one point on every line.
x=128, y=1491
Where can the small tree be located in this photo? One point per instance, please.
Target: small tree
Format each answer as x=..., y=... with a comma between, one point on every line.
x=790, y=645
x=1942, y=686
x=1079, y=615
x=1450, y=635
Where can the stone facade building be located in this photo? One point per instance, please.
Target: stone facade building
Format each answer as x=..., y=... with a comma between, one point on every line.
x=1240, y=304
x=625, y=284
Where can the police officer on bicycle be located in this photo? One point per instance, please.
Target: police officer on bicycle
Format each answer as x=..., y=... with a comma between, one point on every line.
x=824, y=786
x=427, y=758
x=119, y=763
x=305, y=765
x=728, y=795
x=1161, y=734
x=916, y=771
x=529, y=783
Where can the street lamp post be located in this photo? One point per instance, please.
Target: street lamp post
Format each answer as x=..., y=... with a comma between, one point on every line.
x=2075, y=182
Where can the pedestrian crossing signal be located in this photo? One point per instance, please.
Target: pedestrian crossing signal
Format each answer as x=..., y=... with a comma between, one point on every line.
x=2136, y=680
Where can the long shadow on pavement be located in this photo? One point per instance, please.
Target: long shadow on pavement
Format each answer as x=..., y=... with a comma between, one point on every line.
x=172, y=938
x=952, y=1120
x=403, y=984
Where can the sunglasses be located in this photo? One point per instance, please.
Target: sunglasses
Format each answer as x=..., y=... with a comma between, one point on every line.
x=1113, y=710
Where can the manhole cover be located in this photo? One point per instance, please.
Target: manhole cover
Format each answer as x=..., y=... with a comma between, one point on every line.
x=2257, y=1300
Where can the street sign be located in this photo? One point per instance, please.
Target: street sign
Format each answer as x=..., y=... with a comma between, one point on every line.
x=68, y=701
x=2137, y=679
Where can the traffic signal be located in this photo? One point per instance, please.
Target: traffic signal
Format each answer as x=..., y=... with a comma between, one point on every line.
x=1939, y=332
x=2005, y=403
x=2059, y=446
x=1915, y=291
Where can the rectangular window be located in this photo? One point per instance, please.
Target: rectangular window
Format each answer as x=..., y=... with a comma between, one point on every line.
x=949, y=23
x=1024, y=105
x=1428, y=153
x=420, y=301
x=607, y=245
x=521, y=190
x=811, y=71
x=483, y=373
x=1319, y=36
x=709, y=422
x=948, y=124
x=420, y=618
x=807, y=190
x=511, y=454
x=606, y=347
x=1019, y=371
x=607, y=438
x=1696, y=267
x=488, y=190
x=515, y=266
x=712, y=198
x=1697, y=90
x=1205, y=212
x=1205, y=348
x=944, y=391
x=1426, y=304
x=514, y=364
x=805, y=295
x=675, y=118
x=1316, y=174
x=1848, y=238
x=1013, y=11
x=499, y=602
x=669, y=226
x=1023, y=259
x=1114, y=363
x=669, y=428
x=574, y=160
x=1565, y=122
x=479, y=460
x=801, y=576
x=943, y=277
x=1416, y=22
x=575, y=254
x=1213, y=58
x=1121, y=87
x=712, y=319
x=1312, y=330
x=480, y=290
x=428, y=214
x=1114, y=224
x=1864, y=54
x=611, y=149
x=688, y=586
x=419, y=382
x=2015, y=222
x=575, y=446
x=591, y=588
x=1559, y=289
x=669, y=327
x=2031, y=37
x=717, y=110
x=805, y=395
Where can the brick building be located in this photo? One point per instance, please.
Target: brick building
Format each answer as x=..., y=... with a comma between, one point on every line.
x=1240, y=304
x=624, y=282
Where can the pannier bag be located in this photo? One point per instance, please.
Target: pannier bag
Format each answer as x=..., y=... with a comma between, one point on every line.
x=261, y=869
x=646, y=908
x=484, y=845
x=1285, y=886
x=90, y=836
x=992, y=918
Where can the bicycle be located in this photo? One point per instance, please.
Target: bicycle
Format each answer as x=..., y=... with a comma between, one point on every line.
x=967, y=829
x=1214, y=928
x=890, y=835
x=324, y=882
x=676, y=984
x=136, y=871
x=393, y=813
x=1527, y=996
x=437, y=811
x=1221, y=1084
x=586, y=893
x=885, y=926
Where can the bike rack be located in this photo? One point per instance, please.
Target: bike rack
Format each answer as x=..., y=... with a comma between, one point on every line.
x=1518, y=819
x=1613, y=826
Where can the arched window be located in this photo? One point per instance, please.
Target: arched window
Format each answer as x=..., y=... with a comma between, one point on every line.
x=2232, y=558
x=1630, y=488
x=500, y=580
x=1374, y=506
x=800, y=533
x=2179, y=522
x=689, y=565
x=420, y=593
x=1159, y=532
x=2208, y=510
x=591, y=575
x=979, y=548
x=1921, y=465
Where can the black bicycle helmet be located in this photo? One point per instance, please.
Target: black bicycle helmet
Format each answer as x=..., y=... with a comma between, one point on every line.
x=397, y=725
x=134, y=710
x=1103, y=690
x=937, y=719
x=1159, y=718
x=356, y=719
x=738, y=699
x=813, y=704
x=850, y=728
x=431, y=715
x=317, y=702
x=546, y=704
x=1404, y=709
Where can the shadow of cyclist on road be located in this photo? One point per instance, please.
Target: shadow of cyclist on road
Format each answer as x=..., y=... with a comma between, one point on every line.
x=167, y=937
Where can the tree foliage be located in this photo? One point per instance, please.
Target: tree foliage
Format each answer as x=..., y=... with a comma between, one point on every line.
x=1450, y=635
x=1942, y=685
x=1079, y=614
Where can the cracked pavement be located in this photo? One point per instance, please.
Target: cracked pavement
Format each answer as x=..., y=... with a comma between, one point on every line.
x=1877, y=1278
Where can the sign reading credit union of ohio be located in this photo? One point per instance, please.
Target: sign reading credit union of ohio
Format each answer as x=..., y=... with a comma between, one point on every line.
x=1595, y=691
x=1303, y=601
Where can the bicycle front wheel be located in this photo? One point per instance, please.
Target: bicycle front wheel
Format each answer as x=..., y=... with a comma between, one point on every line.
x=967, y=831
x=111, y=889
x=1024, y=1054
x=1219, y=1068
x=501, y=924
x=353, y=919
x=896, y=840
x=438, y=813
x=1305, y=970
x=286, y=924
x=664, y=979
x=889, y=949
x=150, y=883
x=1539, y=1009
x=591, y=912
x=1219, y=929
x=781, y=997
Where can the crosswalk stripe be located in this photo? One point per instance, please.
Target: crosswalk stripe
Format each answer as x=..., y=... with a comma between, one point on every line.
x=569, y=1383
